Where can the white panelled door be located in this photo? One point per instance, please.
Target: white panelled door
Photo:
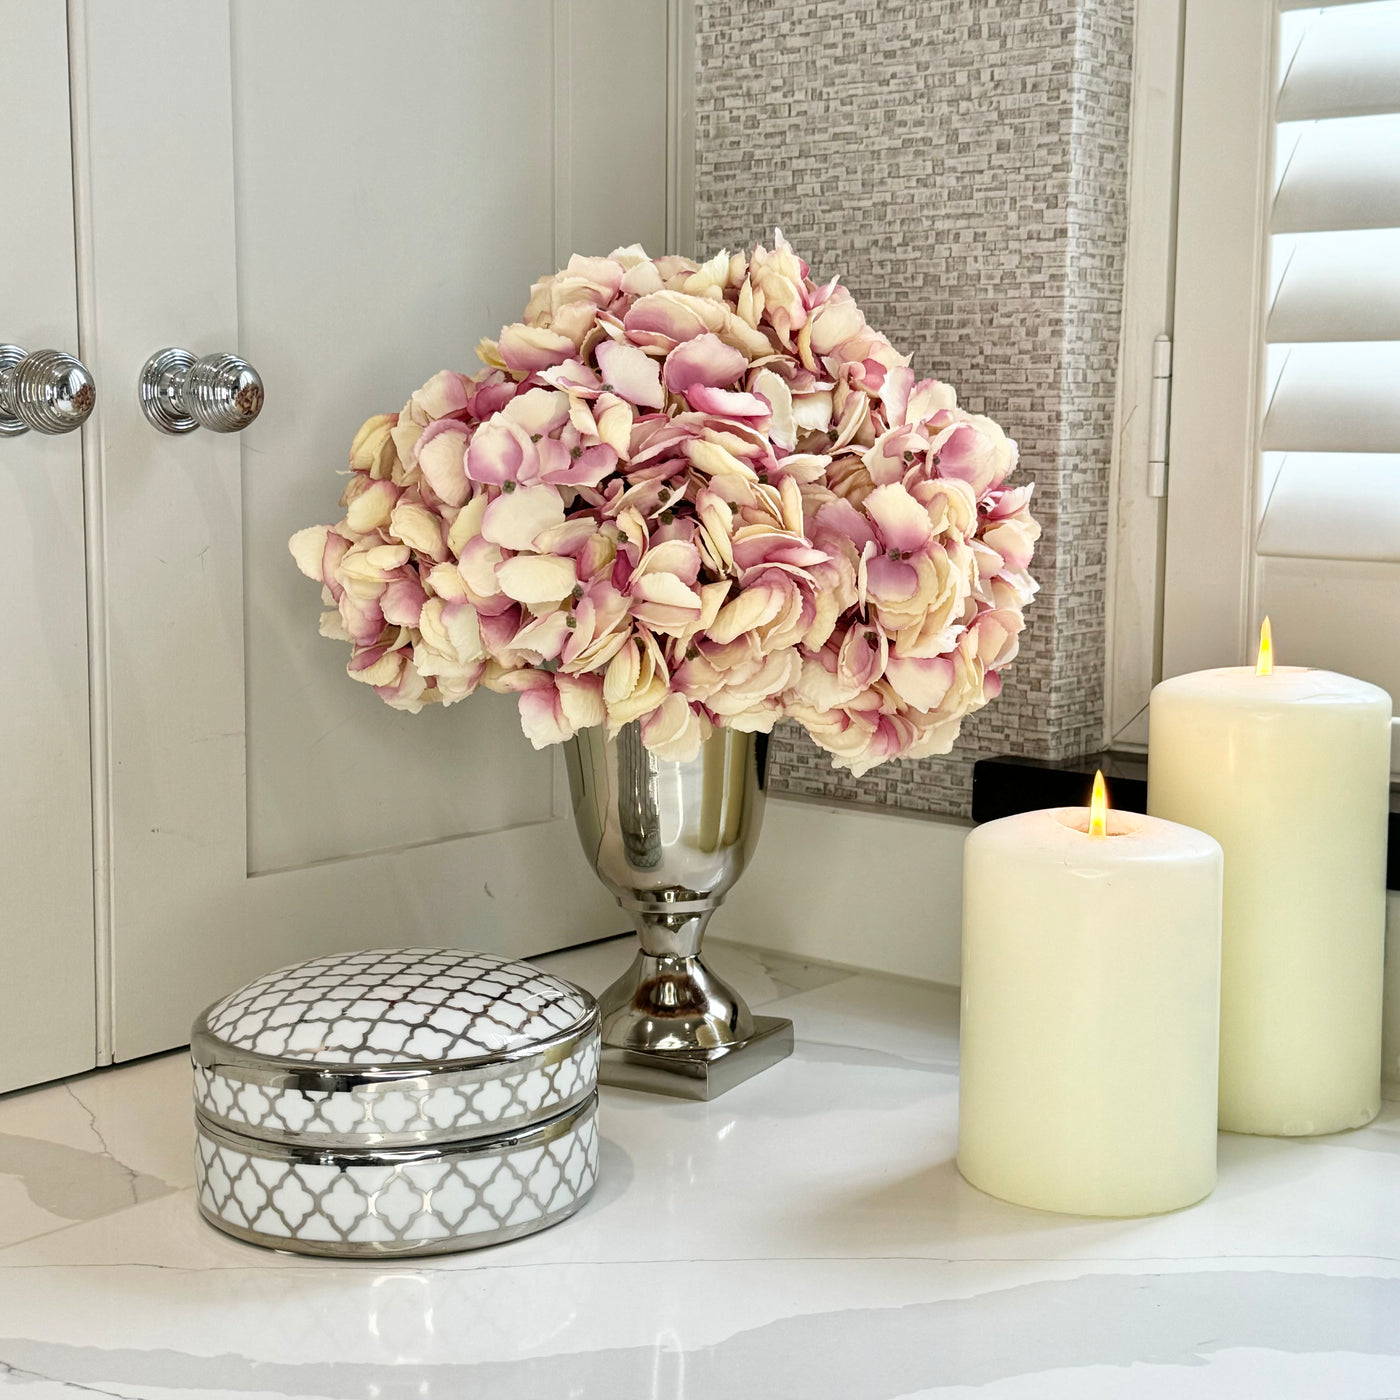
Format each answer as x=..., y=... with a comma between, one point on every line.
x=46, y=921
x=348, y=194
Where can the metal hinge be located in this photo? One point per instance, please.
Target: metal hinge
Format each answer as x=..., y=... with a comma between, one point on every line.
x=1159, y=416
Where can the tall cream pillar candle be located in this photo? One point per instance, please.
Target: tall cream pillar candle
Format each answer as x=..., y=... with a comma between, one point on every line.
x=1090, y=995
x=1289, y=771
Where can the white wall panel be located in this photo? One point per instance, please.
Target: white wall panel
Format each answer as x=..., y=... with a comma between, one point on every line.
x=417, y=228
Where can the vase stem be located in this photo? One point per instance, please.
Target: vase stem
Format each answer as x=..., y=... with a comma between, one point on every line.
x=672, y=1003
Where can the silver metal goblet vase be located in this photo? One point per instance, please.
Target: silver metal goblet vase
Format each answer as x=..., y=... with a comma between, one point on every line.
x=669, y=840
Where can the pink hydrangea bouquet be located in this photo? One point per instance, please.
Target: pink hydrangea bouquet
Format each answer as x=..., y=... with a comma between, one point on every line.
x=687, y=495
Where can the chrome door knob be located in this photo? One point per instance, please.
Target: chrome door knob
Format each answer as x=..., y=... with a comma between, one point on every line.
x=219, y=392
x=46, y=390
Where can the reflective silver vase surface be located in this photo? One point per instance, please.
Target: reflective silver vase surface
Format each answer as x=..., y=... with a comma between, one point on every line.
x=670, y=840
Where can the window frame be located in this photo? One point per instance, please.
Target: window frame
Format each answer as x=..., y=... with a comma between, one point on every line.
x=1137, y=524
x=1224, y=188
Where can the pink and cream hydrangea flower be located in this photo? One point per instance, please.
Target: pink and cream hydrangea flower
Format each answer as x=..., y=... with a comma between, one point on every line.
x=685, y=495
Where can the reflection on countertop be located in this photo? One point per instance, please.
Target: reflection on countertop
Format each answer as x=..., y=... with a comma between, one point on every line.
x=807, y=1235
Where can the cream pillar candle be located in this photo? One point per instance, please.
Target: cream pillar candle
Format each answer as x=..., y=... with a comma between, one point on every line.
x=1289, y=771
x=1090, y=995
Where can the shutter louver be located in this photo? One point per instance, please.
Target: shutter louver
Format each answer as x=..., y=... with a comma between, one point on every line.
x=1336, y=398
x=1345, y=65
x=1333, y=505
x=1338, y=173
x=1336, y=287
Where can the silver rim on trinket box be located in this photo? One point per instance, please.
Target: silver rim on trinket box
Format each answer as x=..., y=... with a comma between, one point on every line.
x=281, y=1073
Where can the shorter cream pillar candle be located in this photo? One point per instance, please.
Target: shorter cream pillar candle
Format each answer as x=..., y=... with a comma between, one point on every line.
x=1289, y=769
x=1090, y=1012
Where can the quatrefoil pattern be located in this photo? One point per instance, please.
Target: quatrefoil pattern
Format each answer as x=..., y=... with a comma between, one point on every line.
x=431, y=1108
x=394, y=1006
x=458, y=1200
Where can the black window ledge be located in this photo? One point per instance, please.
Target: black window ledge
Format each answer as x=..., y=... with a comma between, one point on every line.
x=1003, y=786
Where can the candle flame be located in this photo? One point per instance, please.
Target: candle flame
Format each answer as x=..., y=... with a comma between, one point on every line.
x=1265, y=664
x=1098, y=807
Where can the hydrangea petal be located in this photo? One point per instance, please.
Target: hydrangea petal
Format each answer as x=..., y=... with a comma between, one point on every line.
x=442, y=460
x=402, y=603
x=704, y=360
x=929, y=396
x=921, y=683
x=370, y=510
x=776, y=394
x=673, y=731
x=515, y=518
x=536, y=579
x=528, y=348
x=902, y=522
x=446, y=392
x=889, y=581
x=496, y=453
x=419, y=528
x=538, y=410
x=309, y=550
x=838, y=321
x=541, y=719
x=725, y=403
x=581, y=700
x=633, y=374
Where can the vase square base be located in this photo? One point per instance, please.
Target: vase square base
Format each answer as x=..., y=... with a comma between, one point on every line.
x=699, y=1074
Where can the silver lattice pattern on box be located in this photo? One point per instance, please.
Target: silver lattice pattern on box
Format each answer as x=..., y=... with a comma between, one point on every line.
x=397, y=1006
x=448, y=1200
x=440, y=1107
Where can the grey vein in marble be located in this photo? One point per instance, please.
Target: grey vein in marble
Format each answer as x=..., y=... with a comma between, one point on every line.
x=1175, y=1319
x=73, y=1183
x=859, y=1057
x=790, y=975
x=12, y=1375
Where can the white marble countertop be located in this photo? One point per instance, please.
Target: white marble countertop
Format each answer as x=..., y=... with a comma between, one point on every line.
x=807, y=1235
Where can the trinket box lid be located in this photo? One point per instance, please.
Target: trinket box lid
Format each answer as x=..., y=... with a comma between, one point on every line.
x=398, y=1006
x=395, y=1046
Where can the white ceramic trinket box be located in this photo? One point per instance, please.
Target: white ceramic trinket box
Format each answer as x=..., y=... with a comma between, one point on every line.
x=396, y=1102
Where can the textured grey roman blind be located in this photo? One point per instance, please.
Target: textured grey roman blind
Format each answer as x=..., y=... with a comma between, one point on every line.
x=1331, y=431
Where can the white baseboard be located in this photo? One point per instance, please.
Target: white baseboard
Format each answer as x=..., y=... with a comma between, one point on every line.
x=852, y=886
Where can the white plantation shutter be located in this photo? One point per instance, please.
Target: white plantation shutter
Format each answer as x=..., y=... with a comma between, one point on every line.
x=1312, y=349
x=1331, y=438
x=1328, y=542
